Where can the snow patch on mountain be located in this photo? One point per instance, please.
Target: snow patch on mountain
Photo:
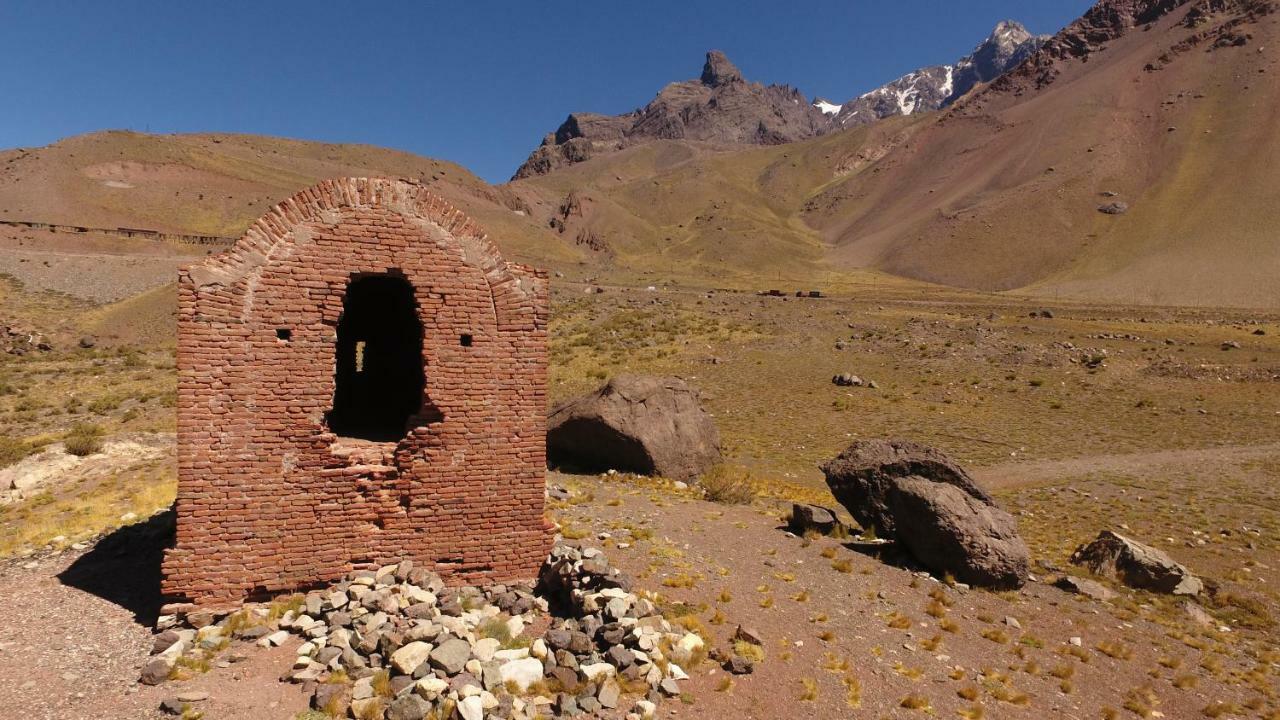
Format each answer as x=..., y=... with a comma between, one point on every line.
x=827, y=107
x=937, y=86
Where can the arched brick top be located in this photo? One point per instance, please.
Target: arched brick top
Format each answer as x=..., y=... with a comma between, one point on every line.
x=327, y=201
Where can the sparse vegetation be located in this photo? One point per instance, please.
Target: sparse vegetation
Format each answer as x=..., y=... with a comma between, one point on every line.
x=83, y=439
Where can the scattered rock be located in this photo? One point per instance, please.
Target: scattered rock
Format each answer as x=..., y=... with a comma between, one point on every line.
x=1114, y=208
x=847, y=380
x=1136, y=565
x=643, y=424
x=813, y=518
x=408, y=706
x=748, y=635
x=917, y=496
x=157, y=669
x=451, y=656
x=1084, y=586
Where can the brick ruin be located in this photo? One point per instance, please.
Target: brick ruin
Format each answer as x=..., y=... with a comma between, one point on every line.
x=362, y=377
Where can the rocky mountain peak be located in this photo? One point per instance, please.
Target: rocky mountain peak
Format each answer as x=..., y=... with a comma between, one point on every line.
x=719, y=71
x=938, y=86
x=1009, y=33
x=718, y=107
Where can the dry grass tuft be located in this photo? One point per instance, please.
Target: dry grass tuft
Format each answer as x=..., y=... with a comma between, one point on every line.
x=728, y=484
x=916, y=702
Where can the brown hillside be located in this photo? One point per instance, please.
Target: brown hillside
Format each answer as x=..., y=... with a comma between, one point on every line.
x=218, y=184
x=1168, y=107
x=1176, y=118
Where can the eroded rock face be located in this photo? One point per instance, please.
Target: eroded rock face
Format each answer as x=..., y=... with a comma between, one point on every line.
x=1136, y=565
x=637, y=423
x=916, y=496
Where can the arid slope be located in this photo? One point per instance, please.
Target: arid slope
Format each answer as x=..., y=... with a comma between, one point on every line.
x=218, y=184
x=1004, y=191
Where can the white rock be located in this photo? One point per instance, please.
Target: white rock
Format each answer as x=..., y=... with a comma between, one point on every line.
x=676, y=672
x=516, y=625
x=645, y=709
x=617, y=608
x=417, y=595
x=512, y=654
x=471, y=708
x=598, y=671
x=474, y=667
x=430, y=688
x=539, y=649
x=408, y=658
x=691, y=642
x=275, y=639
x=484, y=648
x=523, y=672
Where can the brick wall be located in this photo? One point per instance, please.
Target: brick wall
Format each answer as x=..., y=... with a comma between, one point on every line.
x=268, y=499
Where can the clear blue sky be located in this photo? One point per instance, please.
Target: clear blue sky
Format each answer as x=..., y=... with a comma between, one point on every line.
x=471, y=81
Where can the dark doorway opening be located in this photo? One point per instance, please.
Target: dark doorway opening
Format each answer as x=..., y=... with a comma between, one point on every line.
x=378, y=376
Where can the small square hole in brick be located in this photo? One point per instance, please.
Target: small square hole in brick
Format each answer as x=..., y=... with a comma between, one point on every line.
x=465, y=340
x=284, y=334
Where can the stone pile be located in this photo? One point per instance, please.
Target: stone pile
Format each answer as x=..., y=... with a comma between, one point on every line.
x=394, y=643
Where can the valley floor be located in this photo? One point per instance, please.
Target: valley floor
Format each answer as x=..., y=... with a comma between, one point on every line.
x=1161, y=423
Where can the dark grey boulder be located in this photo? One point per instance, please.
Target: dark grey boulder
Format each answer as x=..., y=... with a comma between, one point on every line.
x=813, y=518
x=863, y=476
x=1136, y=565
x=635, y=423
x=917, y=496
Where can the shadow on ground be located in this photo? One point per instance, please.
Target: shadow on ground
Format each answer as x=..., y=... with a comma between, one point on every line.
x=124, y=567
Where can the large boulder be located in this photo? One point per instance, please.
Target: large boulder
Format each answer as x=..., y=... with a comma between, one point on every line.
x=1136, y=565
x=863, y=477
x=916, y=496
x=636, y=423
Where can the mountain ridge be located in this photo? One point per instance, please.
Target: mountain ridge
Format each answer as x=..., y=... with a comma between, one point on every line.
x=721, y=106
